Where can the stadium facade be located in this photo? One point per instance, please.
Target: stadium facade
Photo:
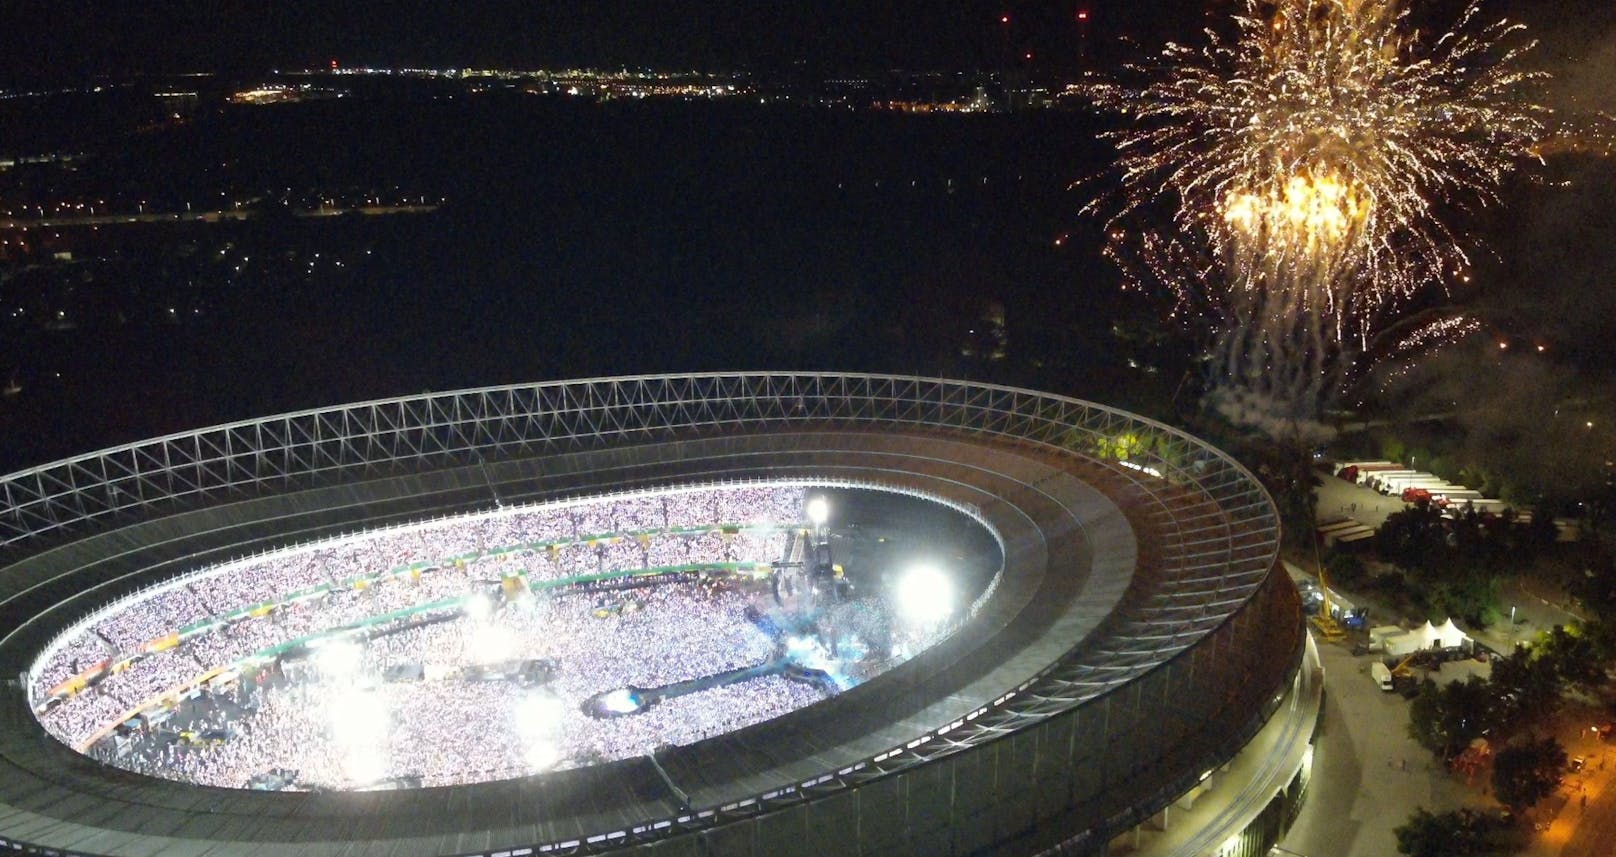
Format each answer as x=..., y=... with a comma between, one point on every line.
x=1140, y=681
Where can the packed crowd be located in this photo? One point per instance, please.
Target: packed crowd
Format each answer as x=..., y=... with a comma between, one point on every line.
x=448, y=729
x=156, y=673
x=169, y=610
x=81, y=717
x=456, y=554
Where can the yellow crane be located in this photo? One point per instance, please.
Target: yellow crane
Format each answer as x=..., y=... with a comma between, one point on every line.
x=1324, y=620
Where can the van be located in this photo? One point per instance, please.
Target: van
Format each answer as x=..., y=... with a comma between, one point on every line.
x=1382, y=675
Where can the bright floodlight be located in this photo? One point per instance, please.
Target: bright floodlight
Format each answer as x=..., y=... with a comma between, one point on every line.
x=621, y=701
x=492, y=644
x=364, y=764
x=479, y=606
x=538, y=722
x=541, y=756
x=539, y=713
x=925, y=595
x=340, y=659
x=818, y=511
x=358, y=732
x=357, y=716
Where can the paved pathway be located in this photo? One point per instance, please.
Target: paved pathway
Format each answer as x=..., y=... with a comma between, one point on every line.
x=1361, y=791
x=1368, y=774
x=1338, y=498
x=1595, y=834
x=1582, y=813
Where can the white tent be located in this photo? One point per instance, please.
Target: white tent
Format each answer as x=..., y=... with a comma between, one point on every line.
x=1449, y=636
x=1444, y=636
x=1398, y=642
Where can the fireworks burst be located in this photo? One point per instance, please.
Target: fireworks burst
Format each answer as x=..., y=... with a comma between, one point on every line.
x=1308, y=160
x=1431, y=334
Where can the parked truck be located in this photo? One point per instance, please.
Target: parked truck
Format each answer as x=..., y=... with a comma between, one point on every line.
x=1382, y=675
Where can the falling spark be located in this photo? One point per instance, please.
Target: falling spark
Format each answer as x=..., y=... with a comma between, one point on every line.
x=1309, y=163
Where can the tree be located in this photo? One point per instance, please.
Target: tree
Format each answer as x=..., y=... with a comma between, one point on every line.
x=1414, y=539
x=1574, y=656
x=1601, y=634
x=1595, y=588
x=1526, y=773
x=1538, y=428
x=1345, y=569
x=1445, y=719
x=1450, y=834
x=1468, y=594
x=1539, y=534
x=1285, y=468
x=1527, y=687
x=1475, y=544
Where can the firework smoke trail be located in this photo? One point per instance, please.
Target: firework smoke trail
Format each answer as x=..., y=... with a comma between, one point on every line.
x=1305, y=159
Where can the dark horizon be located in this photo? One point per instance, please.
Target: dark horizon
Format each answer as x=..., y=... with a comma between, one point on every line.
x=81, y=39
x=74, y=39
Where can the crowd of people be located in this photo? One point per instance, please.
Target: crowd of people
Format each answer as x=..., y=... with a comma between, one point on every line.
x=158, y=672
x=341, y=583
x=349, y=727
x=90, y=713
x=166, y=611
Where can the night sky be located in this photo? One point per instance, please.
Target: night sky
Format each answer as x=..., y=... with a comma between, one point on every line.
x=54, y=39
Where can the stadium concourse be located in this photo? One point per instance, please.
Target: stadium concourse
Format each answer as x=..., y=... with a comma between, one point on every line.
x=1129, y=676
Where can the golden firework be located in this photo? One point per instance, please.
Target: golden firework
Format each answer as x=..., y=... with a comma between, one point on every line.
x=1311, y=161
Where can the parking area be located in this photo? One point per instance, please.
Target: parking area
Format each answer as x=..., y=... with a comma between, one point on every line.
x=1368, y=775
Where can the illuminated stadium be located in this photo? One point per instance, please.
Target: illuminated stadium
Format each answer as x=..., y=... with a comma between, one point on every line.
x=487, y=646
x=707, y=614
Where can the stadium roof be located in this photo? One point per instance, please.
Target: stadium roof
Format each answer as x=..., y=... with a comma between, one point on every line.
x=1080, y=611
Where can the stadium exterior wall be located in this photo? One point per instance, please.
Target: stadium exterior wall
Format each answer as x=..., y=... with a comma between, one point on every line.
x=1180, y=675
